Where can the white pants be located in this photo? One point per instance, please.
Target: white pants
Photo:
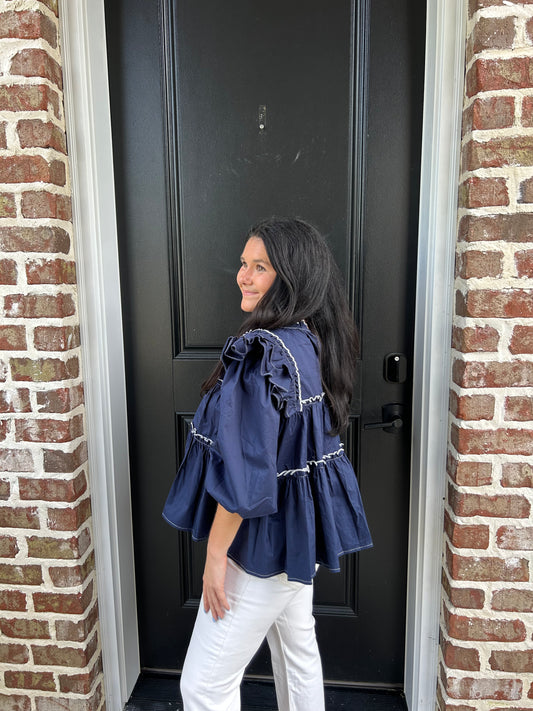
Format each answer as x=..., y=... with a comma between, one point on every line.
x=220, y=651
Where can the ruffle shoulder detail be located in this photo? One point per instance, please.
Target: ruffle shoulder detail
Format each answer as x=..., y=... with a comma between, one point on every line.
x=276, y=364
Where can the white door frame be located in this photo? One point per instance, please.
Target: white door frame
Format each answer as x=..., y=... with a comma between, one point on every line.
x=91, y=162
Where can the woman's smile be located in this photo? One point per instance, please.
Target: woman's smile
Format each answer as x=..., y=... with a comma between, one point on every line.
x=256, y=275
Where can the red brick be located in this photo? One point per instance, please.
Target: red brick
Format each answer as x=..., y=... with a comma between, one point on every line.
x=468, y=598
x=527, y=111
x=460, y=657
x=63, y=603
x=516, y=227
x=53, y=655
x=478, y=569
x=30, y=97
x=513, y=600
x=59, y=548
x=473, y=339
x=496, y=74
x=517, y=474
x=28, y=25
x=498, y=153
x=8, y=271
x=30, y=169
x=525, y=194
x=72, y=576
x=37, y=204
x=43, y=370
x=42, y=681
x=80, y=683
x=34, y=133
x=13, y=338
x=39, y=305
x=69, y=519
x=69, y=703
x=68, y=490
x=466, y=536
x=56, y=338
x=36, y=63
x=521, y=340
x=16, y=460
x=465, y=473
x=13, y=601
x=476, y=629
x=475, y=264
x=493, y=33
x=524, y=261
x=500, y=441
x=477, y=374
x=8, y=207
x=51, y=271
x=500, y=506
x=472, y=407
x=518, y=661
x=64, y=462
x=478, y=688
x=493, y=303
x=15, y=400
x=515, y=538
x=61, y=399
x=491, y=113
x=8, y=546
x=483, y=192
x=20, y=574
x=49, y=430
x=14, y=702
x=5, y=490
x=34, y=239
x=19, y=517
x=69, y=631
x=23, y=628
x=14, y=654
x=519, y=408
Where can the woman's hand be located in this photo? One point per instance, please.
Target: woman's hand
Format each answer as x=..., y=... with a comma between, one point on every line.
x=223, y=531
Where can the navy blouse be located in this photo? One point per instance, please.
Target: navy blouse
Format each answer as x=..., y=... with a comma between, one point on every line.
x=259, y=445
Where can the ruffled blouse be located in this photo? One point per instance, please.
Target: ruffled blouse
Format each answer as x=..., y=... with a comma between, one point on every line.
x=259, y=445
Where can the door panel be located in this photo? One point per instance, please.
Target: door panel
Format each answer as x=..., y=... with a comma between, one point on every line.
x=224, y=113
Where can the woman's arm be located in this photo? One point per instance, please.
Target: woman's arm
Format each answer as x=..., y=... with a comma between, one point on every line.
x=223, y=531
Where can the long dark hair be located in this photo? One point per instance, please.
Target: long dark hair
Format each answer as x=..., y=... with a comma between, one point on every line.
x=308, y=286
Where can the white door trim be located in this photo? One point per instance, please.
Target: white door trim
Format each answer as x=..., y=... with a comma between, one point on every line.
x=91, y=161
x=88, y=120
x=443, y=103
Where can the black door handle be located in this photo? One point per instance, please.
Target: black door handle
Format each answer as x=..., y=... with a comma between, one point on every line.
x=392, y=414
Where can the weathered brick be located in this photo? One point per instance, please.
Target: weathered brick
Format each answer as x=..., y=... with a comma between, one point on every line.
x=524, y=261
x=521, y=340
x=44, y=370
x=527, y=111
x=34, y=133
x=28, y=25
x=479, y=688
x=515, y=538
x=460, y=657
x=30, y=97
x=14, y=654
x=14, y=702
x=519, y=408
x=493, y=303
x=23, y=628
x=19, y=517
x=496, y=74
x=72, y=576
x=60, y=399
x=42, y=204
x=466, y=536
x=39, y=305
x=498, y=505
x=64, y=603
x=20, y=574
x=493, y=33
x=468, y=598
x=13, y=601
x=31, y=169
x=16, y=460
x=8, y=546
x=53, y=271
x=518, y=661
x=516, y=227
x=8, y=271
x=53, y=655
x=489, y=113
x=472, y=407
x=15, y=400
x=70, y=631
x=477, y=374
x=483, y=192
x=500, y=441
x=69, y=703
x=517, y=474
x=498, y=153
x=476, y=264
x=5, y=489
x=63, y=548
x=465, y=473
x=13, y=338
x=478, y=569
x=525, y=191
x=8, y=206
x=42, y=680
x=34, y=239
x=477, y=629
x=36, y=62
x=49, y=430
x=81, y=683
x=64, y=462
x=69, y=519
x=56, y=338
x=68, y=490
x=473, y=339
x=512, y=600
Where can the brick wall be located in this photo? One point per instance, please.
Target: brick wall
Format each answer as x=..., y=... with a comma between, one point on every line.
x=487, y=618
x=49, y=647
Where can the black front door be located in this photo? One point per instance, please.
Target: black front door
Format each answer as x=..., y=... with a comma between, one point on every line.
x=225, y=113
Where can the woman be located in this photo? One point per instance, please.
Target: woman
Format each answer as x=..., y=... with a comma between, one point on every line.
x=265, y=476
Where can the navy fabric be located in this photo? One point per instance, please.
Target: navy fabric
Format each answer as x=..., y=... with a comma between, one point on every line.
x=259, y=445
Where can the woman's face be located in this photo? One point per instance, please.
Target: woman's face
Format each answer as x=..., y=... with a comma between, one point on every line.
x=256, y=275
